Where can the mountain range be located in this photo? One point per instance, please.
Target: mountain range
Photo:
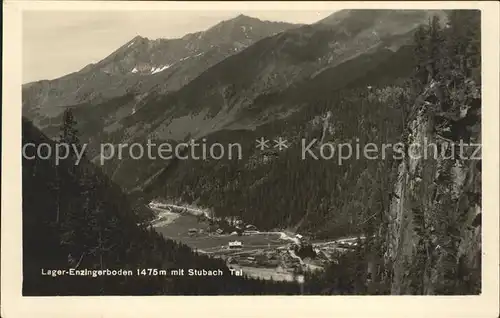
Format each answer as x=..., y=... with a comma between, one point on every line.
x=231, y=76
x=143, y=65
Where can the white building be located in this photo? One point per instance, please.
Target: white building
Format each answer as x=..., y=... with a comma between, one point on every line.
x=155, y=204
x=235, y=245
x=250, y=232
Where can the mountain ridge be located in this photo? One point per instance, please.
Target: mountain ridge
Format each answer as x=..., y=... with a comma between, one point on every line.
x=143, y=65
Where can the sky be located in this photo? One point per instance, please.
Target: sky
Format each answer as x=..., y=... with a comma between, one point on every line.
x=56, y=43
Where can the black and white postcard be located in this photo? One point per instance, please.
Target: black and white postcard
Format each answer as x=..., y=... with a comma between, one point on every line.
x=318, y=151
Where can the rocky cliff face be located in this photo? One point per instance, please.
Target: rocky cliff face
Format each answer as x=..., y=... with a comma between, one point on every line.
x=434, y=229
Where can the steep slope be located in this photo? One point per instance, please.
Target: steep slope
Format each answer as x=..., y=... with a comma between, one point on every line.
x=142, y=65
x=74, y=217
x=432, y=239
x=434, y=232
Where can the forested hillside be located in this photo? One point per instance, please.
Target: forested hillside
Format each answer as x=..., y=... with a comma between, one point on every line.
x=75, y=217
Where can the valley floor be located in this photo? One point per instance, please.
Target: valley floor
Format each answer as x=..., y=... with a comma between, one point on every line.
x=265, y=255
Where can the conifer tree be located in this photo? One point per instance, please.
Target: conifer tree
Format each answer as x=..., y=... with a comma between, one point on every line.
x=72, y=220
x=69, y=132
x=435, y=46
x=421, y=39
x=68, y=135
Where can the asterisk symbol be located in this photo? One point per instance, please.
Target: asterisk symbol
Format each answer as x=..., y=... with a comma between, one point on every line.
x=280, y=143
x=262, y=143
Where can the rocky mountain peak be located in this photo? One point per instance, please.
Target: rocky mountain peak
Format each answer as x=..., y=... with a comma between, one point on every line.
x=241, y=30
x=245, y=18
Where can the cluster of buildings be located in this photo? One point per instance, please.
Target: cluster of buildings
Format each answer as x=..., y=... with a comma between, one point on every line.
x=240, y=230
x=247, y=230
x=158, y=205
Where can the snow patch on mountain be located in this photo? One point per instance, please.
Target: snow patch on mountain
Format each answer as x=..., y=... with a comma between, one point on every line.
x=155, y=70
